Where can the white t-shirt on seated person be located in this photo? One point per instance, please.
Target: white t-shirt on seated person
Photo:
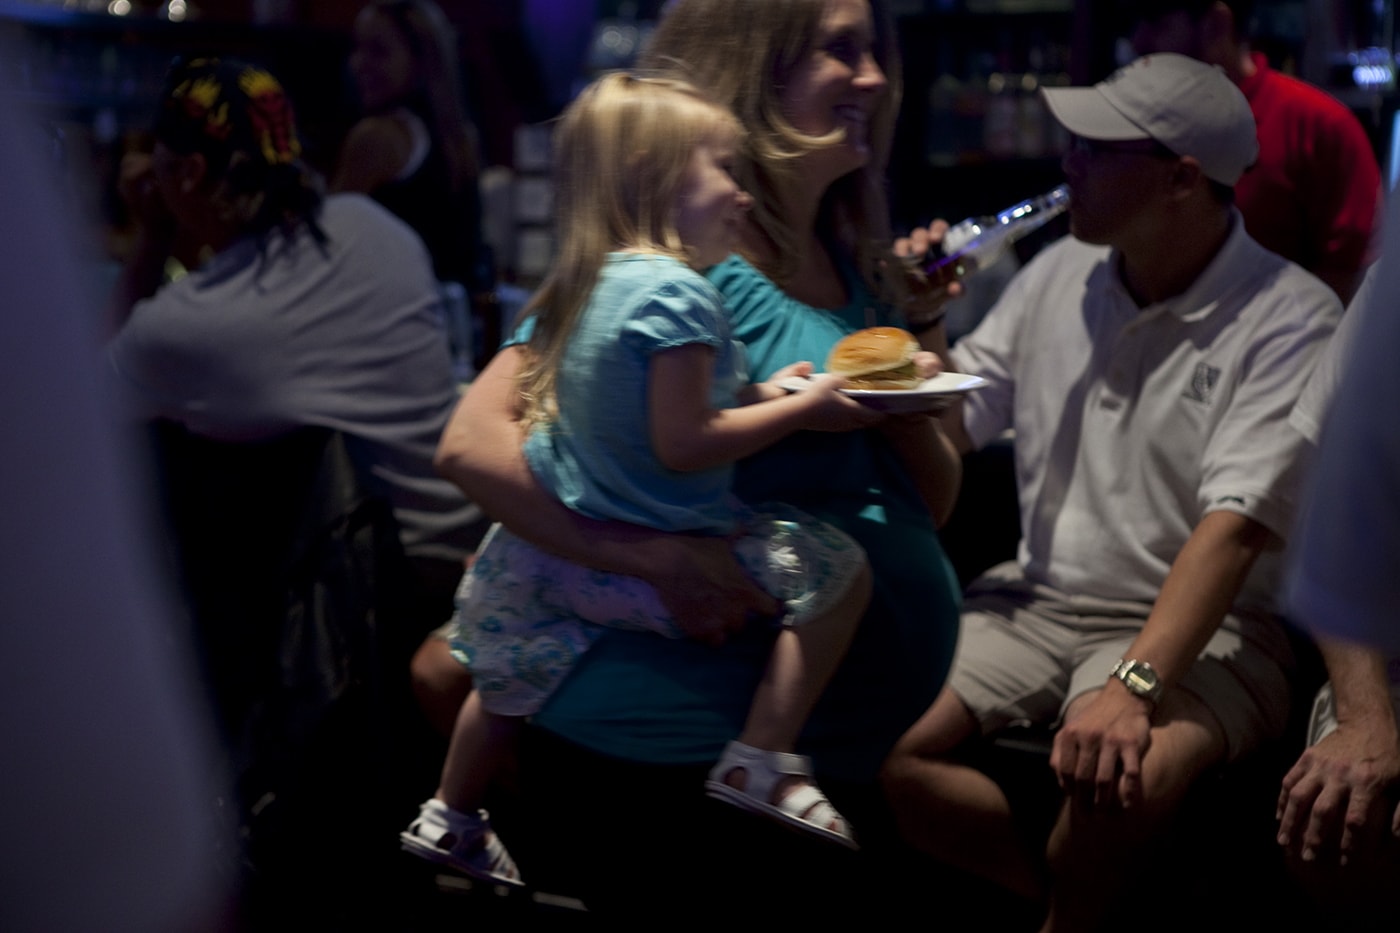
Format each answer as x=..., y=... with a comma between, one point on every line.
x=347, y=336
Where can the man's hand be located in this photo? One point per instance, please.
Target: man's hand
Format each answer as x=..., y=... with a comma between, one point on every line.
x=1333, y=802
x=927, y=298
x=1098, y=752
x=703, y=587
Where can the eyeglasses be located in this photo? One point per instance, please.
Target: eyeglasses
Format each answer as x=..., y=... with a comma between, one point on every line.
x=1141, y=147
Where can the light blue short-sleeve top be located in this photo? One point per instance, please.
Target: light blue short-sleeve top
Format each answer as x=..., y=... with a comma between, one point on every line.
x=597, y=456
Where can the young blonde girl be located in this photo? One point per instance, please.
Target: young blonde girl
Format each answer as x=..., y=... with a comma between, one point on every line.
x=637, y=406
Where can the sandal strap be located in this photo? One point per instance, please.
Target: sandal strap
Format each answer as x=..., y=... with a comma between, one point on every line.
x=803, y=806
x=763, y=769
x=809, y=804
x=436, y=816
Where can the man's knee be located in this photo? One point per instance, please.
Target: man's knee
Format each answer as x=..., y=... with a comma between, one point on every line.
x=1186, y=747
x=943, y=727
x=933, y=739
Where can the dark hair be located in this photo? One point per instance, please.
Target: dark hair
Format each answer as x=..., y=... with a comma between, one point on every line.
x=438, y=98
x=1141, y=10
x=240, y=119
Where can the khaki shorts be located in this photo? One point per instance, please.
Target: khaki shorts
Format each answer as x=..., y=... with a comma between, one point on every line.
x=1027, y=650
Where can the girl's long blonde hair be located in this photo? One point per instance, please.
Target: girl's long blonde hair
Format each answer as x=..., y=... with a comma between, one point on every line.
x=621, y=151
x=744, y=54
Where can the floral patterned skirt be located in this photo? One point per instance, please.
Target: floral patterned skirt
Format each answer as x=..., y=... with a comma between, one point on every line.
x=524, y=617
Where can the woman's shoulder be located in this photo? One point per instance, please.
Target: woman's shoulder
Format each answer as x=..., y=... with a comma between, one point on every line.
x=744, y=288
x=375, y=151
x=740, y=272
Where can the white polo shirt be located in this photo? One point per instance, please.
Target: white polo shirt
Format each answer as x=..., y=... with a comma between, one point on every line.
x=1132, y=423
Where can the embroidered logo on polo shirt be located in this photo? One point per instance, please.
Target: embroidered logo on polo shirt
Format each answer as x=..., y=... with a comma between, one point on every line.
x=1203, y=382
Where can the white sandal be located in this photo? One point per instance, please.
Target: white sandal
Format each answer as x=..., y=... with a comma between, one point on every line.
x=805, y=808
x=462, y=841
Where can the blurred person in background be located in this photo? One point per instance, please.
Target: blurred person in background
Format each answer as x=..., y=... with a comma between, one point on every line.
x=305, y=311
x=107, y=791
x=414, y=149
x=1339, y=806
x=1314, y=196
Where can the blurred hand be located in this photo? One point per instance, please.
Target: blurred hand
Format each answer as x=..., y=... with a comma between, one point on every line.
x=827, y=408
x=830, y=409
x=1333, y=803
x=791, y=371
x=703, y=587
x=927, y=364
x=921, y=241
x=916, y=249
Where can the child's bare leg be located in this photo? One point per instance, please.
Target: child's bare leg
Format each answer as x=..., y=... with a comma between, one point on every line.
x=481, y=742
x=759, y=772
x=803, y=660
x=451, y=827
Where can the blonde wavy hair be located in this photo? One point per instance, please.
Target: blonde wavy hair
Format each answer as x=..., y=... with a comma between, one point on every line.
x=621, y=154
x=744, y=53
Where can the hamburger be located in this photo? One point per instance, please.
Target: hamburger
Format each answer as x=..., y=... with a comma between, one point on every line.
x=876, y=358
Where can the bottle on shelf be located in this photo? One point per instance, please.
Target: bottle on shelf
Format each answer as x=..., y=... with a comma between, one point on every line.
x=976, y=242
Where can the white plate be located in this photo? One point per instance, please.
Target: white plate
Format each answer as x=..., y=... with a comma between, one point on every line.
x=933, y=394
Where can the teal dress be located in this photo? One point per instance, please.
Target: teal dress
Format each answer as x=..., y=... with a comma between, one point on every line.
x=641, y=698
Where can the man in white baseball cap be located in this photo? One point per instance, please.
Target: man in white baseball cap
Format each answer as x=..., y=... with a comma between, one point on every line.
x=1189, y=107
x=1147, y=364
x=1315, y=193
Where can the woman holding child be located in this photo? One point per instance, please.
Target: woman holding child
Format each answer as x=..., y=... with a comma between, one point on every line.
x=619, y=751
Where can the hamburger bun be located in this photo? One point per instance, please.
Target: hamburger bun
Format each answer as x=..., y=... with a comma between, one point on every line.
x=876, y=358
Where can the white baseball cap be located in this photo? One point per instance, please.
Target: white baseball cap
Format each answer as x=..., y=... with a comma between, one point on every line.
x=1190, y=107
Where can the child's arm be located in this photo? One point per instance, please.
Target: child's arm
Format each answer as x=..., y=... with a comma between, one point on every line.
x=687, y=434
x=766, y=391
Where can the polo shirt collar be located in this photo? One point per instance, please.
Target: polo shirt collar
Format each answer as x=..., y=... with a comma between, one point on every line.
x=1204, y=295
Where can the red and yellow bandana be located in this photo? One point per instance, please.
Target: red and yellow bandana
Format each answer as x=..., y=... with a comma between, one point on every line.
x=215, y=106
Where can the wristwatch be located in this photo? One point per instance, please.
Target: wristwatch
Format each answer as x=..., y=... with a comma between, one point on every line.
x=1139, y=677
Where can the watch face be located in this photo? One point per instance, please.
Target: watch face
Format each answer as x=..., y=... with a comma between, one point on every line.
x=1139, y=678
x=1139, y=681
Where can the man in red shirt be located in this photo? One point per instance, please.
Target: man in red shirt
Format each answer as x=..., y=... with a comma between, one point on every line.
x=1315, y=194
